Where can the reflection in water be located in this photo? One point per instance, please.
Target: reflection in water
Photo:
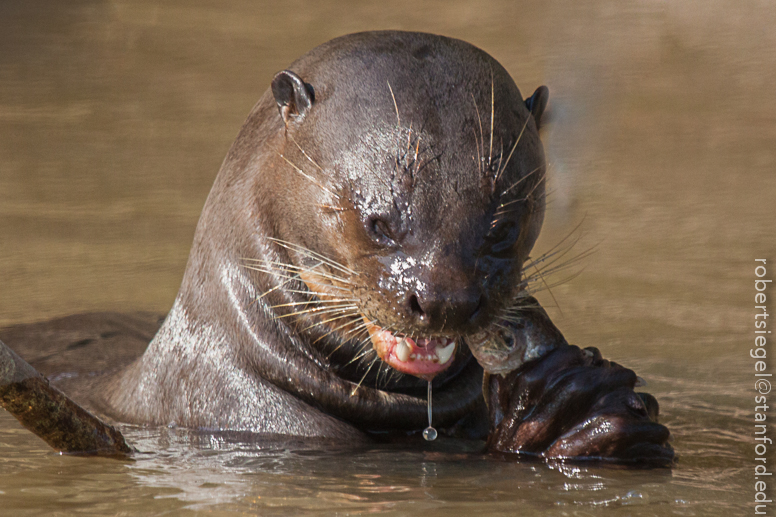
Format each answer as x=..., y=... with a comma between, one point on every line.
x=206, y=470
x=114, y=117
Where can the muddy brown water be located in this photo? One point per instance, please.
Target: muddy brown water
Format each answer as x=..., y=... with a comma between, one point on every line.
x=115, y=116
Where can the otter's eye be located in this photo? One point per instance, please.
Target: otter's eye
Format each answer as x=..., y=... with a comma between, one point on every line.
x=380, y=230
x=502, y=236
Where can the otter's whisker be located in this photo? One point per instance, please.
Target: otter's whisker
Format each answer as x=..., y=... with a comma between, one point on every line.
x=502, y=168
x=279, y=286
x=327, y=276
x=396, y=106
x=351, y=318
x=296, y=270
x=546, y=256
x=315, y=277
x=518, y=182
x=294, y=278
x=552, y=251
x=556, y=284
x=426, y=162
x=387, y=376
x=318, y=311
x=540, y=273
x=364, y=352
x=549, y=290
x=291, y=268
x=304, y=153
x=353, y=315
x=536, y=277
x=367, y=341
x=283, y=265
x=498, y=214
x=409, y=140
x=500, y=159
x=353, y=392
x=390, y=374
x=501, y=211
x=499, y=325
x=288, y=278
x=314, y=302
x=379, y=370
x=310, y=178
x=333, y=208
x=492, y=113
x=301, y=249
x=317, y=293
x=481, y=141
x=514, y=320
x=516, y=313
x=363, y=326
x=337, y=328
x=355, y=332
x=555, y=264
x=340, y=313
x=518, y=308
x=536, y=185
x=550, y=268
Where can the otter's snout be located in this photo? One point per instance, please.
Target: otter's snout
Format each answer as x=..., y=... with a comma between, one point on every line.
x=444, y=310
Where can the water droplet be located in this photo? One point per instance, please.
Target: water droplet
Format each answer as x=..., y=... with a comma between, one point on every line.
x=429, y=433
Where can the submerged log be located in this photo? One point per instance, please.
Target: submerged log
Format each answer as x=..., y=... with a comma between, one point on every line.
x=50, y=414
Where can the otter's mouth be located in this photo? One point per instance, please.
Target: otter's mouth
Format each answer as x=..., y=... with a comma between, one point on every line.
x=421, y=357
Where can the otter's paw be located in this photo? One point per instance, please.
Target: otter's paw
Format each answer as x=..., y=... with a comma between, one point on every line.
x=573, y=404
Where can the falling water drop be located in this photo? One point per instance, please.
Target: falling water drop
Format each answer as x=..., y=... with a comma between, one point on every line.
x=429, y=433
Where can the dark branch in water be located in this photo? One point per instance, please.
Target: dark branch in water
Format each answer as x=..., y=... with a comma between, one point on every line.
x=50, y=414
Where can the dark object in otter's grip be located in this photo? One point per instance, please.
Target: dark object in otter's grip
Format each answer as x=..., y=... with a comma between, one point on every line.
x=47, y=412
x=572, y=403
x=525, y=336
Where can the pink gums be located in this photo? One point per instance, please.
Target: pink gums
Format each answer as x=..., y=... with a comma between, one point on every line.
x=423, y=365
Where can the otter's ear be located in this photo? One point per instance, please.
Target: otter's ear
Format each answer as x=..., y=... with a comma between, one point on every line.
x=537, y=102
x=294, y=96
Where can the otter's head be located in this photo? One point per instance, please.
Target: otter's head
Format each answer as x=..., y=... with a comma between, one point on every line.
x=413, y=193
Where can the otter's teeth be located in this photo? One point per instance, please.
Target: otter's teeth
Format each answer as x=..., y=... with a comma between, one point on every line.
x=402, y=351
x=444, y=354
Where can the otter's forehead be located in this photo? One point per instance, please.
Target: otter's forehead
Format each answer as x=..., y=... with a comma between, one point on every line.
x=416, y=178
x=375, y=54
x=411, y=123
x=433, y=82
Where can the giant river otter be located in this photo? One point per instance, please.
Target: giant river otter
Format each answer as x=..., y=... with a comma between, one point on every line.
x=368, y=230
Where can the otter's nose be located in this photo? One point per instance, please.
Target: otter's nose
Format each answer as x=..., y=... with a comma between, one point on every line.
x=448, y=311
